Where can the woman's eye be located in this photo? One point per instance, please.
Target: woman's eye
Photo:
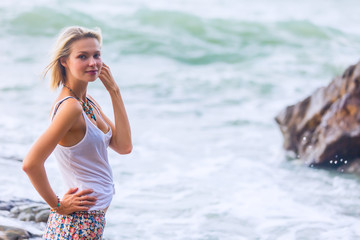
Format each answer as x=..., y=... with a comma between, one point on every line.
x=82, y=57
x=97, y=56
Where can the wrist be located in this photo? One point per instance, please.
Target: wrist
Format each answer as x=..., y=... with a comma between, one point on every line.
x=114, y=90
x=58, y=204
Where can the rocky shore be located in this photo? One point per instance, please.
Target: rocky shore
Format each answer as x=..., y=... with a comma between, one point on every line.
x=22, y=219
x=323, y=130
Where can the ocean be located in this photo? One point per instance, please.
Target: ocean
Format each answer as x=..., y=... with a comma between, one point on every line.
x=202, y=82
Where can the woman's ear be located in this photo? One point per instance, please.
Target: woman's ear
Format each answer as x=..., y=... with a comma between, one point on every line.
x=63, y=62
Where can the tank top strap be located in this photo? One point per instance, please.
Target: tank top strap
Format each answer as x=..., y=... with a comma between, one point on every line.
x=94, y=105
x=57, y=105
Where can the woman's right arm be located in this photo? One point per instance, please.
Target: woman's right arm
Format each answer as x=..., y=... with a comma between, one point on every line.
x=33, y=164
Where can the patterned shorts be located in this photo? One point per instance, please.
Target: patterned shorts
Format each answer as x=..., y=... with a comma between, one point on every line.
x=78, y=225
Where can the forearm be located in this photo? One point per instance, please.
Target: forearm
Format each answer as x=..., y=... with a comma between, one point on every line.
x=39, y=180
x=121, y=140
x=33, y=166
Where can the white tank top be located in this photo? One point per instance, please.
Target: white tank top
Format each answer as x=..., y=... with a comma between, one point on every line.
x=85, y=165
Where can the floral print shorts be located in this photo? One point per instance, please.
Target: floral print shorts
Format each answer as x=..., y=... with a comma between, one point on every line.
x=78, y=225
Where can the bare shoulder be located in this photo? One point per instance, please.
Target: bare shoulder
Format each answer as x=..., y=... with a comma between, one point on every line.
x=69, y=109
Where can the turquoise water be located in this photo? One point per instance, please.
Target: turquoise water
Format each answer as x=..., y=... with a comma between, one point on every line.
x=202, y=82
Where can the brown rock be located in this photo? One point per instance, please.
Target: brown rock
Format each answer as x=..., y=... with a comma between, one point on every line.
x=42, y=216
x=324, y=129
x=13, y=233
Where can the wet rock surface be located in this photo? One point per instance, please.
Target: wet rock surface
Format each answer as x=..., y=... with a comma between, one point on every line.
x=22, y=210
x=13, y=233
x=323, y=130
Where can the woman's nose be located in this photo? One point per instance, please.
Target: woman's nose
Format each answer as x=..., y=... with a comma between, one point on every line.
x=92, y=62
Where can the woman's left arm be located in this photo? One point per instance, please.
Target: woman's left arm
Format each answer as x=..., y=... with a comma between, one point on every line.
x=121, y=138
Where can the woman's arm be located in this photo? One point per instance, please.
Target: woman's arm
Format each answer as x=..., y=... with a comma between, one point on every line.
x=121, y=138
x=33, y=163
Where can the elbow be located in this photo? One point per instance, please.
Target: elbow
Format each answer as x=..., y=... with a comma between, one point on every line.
x=127, y=150
x=27, y=166
x=123, y=150
x=121, y=147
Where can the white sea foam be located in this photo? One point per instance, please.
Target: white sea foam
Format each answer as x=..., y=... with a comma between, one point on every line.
x=202, y=82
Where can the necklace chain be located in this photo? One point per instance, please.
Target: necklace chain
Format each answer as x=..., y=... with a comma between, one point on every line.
x=86, y=106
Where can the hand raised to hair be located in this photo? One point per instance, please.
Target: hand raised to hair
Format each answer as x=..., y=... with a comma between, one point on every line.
x=74, y=201
x=107, y=78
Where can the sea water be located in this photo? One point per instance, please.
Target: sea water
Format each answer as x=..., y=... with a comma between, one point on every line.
x=202, y=82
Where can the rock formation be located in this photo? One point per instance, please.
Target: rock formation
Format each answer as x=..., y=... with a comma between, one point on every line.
x=22, y=210
x=323, y=130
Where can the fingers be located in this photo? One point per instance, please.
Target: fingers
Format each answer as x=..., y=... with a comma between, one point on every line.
x=84, y=202
x=73, y=209
x=83, y=198
x=104, y=67
x=88, y=198
x=87, y=203
x=75, y=200
x=105, y=73
x=72, y=190
x=107, y=78
x=84, y=192
x=81, y=209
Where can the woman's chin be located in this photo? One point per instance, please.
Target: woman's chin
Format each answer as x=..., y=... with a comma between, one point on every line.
x=93, y=79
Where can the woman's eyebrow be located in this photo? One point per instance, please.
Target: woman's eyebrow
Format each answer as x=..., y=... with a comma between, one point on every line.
x=87, y=52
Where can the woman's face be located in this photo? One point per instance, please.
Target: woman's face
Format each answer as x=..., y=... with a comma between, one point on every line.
x=84, y=62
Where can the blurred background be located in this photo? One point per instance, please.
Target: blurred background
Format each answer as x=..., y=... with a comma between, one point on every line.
x=202, y=82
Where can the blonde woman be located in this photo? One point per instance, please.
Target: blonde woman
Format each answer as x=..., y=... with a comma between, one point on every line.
x=79, y=135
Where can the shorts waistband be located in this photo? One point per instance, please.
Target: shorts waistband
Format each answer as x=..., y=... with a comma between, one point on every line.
x=81, y=213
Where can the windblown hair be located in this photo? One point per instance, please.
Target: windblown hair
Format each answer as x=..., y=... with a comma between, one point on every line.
x=62, y=49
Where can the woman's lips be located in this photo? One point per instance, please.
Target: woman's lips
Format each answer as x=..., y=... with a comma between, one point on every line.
x=92, y=72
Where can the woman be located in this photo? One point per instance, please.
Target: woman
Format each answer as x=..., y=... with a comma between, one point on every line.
x=79, y=135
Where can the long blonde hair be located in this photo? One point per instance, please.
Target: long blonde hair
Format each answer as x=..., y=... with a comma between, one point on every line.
x=62, y=49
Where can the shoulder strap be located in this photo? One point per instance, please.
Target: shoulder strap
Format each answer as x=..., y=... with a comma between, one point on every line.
x=57, y=105
x=94, y=105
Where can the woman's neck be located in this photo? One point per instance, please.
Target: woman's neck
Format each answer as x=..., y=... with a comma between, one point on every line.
x=78, y=89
